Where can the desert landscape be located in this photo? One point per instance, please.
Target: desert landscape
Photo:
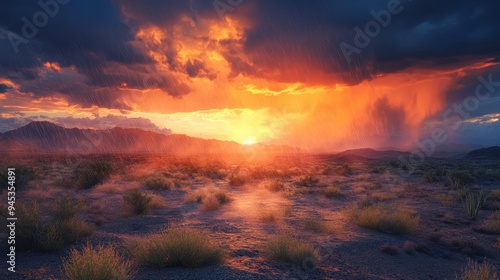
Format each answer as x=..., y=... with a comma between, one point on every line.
x=250, y=139
x=254, y=215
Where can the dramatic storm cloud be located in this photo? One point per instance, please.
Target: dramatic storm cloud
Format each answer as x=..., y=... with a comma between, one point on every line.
x=322, y=75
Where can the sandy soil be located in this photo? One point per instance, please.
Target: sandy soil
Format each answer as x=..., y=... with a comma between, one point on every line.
x=350, y=252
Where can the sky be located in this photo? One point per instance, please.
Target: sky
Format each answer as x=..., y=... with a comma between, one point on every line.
x=318, y=75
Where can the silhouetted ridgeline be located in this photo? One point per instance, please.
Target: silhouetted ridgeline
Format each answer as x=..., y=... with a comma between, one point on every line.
x=48, y=137
x=491, y=153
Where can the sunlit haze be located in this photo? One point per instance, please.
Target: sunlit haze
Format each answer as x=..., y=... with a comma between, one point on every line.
x=260, y=72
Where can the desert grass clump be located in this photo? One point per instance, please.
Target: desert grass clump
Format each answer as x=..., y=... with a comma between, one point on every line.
x=158, y=183
x=473, y=200
x=137, y=202
x=65, y=208
x=477, y=271
x=182, y=246
x=317, y=225
x=286, y=248
x=395, y=220
x=237, y=180
x=93, y=173
x=48, y=235
x=333, y=192
x=211, y=199
x=210, y=203
x=343, y=170
x=276, y=186
x=459, y=178
x=308, y=182
x=96, y=263
x=29, y=224
x=66, y=222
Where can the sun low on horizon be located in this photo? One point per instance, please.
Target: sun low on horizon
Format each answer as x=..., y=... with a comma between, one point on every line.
x=250, y=139
x=235, y=73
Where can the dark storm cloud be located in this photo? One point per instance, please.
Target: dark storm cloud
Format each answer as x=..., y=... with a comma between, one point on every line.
x=89, y=35
x=292, y=41
x=196, y=68
x=3, y=88
x=437, y=32
x=484, y=82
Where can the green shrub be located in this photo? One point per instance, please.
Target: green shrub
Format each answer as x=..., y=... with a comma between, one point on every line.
x=96, y=263
x=29, y=224
x=93, y=173
x=395, y=220
x=48, y=239
x=459, y=178
x=137, y=202
x=473, y=200
x=286, y=248
x=48, y=235
x=66, y=208
x=476, y=271
x=177, y=247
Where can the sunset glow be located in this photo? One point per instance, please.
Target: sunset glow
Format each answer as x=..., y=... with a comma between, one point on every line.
x=250, y=139
x=217, y=78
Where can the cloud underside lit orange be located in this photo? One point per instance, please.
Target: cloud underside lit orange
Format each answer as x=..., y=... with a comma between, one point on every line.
x=319, y=112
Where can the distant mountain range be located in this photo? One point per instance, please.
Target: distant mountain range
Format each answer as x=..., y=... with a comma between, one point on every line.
x=370, y=153
x=491, y=153
x=48, y=137
x=44, y=137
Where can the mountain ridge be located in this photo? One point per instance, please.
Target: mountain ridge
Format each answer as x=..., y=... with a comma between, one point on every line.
x=48, y=137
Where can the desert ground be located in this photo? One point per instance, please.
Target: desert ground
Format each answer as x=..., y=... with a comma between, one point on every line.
x=282, y=217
